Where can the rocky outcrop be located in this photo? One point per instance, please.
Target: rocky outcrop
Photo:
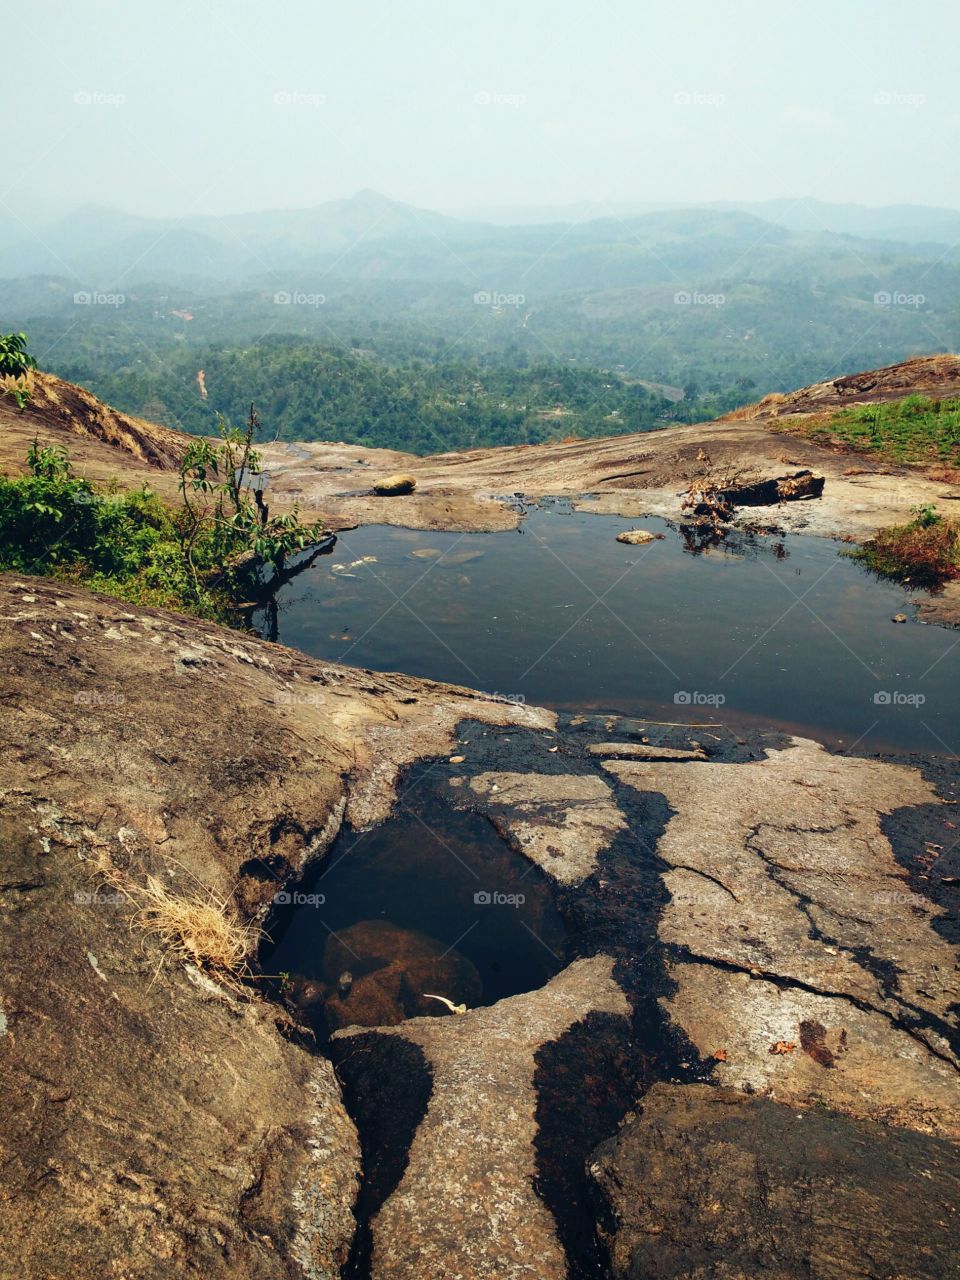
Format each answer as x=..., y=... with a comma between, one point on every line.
x=709, y=1182
x=466, y=1205
x=735, y=912
x=76, y=416
x=159, y=1117
x=154, y=1122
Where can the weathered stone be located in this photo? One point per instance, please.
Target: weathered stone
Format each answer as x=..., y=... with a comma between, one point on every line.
x=638, y=537
x=781, y=871
x=154, y=1124
x=466, y=1205
x=559, y=821
x=855, y=1060
x=709, y=1182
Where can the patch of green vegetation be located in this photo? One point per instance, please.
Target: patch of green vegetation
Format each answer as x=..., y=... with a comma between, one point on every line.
x=125, y=544
x=916, y=429
x=926, y=551
x=15, y=363
x=204, y=557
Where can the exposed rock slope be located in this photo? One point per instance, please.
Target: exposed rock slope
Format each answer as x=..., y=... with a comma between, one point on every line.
x=737, y=914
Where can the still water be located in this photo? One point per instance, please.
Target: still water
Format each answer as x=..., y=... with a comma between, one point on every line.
x=778, y=632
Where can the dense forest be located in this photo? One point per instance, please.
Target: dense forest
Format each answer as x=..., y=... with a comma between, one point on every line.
x=313, y=391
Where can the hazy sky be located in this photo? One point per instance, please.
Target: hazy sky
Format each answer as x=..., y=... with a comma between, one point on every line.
x=227, y=105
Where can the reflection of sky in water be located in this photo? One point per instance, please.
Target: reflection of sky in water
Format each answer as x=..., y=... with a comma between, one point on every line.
x=565, y=616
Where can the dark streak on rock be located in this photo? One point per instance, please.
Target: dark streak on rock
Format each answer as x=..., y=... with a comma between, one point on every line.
x=387, y=1084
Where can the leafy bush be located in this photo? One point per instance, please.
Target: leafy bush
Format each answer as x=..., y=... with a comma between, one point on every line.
x=202, y=557
x=16, y=363
x=126, y=544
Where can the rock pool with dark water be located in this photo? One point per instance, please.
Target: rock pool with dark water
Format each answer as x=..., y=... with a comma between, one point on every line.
x=431, y=907
x=785, y=632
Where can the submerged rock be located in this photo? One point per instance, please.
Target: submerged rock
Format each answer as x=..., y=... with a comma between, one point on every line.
x=392, y=970
x=638, y=537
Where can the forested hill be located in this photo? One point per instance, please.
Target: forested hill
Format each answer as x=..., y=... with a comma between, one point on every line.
x=310, y=391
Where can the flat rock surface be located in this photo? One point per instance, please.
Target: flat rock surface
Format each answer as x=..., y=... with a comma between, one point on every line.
x=795, y=926
x=561, y=822
x=637, y=475
x=711, y=1183
x=737, y=915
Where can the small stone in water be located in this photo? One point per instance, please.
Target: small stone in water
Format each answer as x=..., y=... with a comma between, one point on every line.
x=637, y=537
x=457, y=759
x=899, y=617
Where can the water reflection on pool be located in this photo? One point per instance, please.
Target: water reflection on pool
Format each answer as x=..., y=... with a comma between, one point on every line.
x=785, y=631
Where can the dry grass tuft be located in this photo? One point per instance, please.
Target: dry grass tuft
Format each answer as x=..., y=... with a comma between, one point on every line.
x=925, y=552
x=201, y=926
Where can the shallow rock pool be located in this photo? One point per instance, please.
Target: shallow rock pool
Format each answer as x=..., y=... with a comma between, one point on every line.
x=775, y=631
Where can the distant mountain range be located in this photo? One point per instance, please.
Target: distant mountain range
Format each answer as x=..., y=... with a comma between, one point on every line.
x=370, y=236
x=726, y=302
x=906, y=223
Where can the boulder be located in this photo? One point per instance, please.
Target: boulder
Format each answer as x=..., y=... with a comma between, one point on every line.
x=391, y=485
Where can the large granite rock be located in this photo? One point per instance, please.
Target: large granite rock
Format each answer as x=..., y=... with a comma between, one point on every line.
x=158, y=1121
x=709, y=1182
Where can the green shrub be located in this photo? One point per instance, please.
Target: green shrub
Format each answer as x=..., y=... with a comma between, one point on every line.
x=203, y=557
x=926, y=551
x=915, y=429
